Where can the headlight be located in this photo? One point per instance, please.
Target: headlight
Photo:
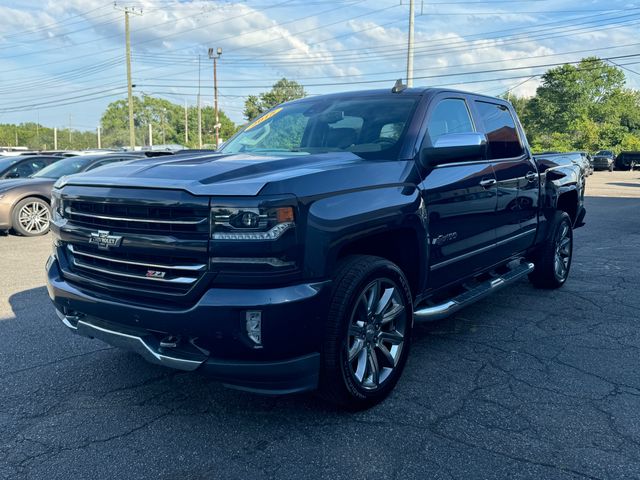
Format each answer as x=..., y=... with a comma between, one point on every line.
x=56, y=206
x=250, y=224
x=61, y=182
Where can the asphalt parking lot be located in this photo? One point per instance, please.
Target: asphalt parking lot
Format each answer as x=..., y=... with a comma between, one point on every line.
x=525, y=384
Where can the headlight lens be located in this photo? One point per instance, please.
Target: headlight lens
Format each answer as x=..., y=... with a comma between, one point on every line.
x=248, y=224
x=56, y=206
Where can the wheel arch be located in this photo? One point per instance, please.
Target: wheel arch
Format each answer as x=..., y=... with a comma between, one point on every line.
x=400, y=245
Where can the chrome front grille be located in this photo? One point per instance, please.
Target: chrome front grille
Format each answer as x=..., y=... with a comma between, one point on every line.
x=169, y=220
x=149, y=244
x=172, y=274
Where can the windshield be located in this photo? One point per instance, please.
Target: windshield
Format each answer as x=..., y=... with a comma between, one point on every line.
x=67, y=166
x=6, y=162
x=605, y=153
x=371, y=127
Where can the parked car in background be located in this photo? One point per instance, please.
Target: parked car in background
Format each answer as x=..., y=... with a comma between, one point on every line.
x=627, y=160
x=23, y=166
x=25, y=202
x=604, y=160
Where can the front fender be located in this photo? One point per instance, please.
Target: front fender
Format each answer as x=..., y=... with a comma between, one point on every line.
x=335, y=222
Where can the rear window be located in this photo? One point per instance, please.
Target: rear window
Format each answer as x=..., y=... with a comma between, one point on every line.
x=500, y=129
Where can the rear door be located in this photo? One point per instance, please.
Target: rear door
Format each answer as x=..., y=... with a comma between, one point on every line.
x=460, y=199
x=517, y=176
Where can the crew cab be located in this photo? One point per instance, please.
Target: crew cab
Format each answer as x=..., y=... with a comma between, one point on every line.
x=299, y=256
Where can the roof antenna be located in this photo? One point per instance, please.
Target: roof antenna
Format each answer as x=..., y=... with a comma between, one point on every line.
x=398, y=87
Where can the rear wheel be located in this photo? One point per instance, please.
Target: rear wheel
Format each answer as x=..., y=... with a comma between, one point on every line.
x=31, y=217
x=553, y=259
x=368, y=332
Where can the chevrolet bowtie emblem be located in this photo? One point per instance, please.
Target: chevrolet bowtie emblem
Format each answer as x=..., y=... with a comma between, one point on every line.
x=103, y=240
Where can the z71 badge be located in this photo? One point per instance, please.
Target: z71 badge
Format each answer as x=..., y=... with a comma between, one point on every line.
x=104, y=241
x=155, y=274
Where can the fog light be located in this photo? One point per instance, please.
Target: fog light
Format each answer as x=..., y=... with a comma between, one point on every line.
x=254, y=326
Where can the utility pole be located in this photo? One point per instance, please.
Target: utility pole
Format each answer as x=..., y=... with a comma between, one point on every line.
x=38, y=129
x=55, y=138
x=69, y=130
x=16, y=132
x=164, y=113
x=99, y=140
x=150, y=135
x=186, y=123
x=410, y=45
x=199, y=109
x=127, y=11
x=215, y=56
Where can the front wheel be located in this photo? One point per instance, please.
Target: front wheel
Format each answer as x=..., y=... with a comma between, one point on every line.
x=553, y=259
x=31, y=217
x=367, y=334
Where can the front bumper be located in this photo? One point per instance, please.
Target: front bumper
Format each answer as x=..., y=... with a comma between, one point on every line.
x=291, y=316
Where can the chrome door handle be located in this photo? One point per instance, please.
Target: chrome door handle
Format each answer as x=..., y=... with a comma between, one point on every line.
x=489, y=182
x=531, y=176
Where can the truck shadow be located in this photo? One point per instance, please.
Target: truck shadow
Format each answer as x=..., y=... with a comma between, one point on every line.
x=53, y=355
x=624, y=184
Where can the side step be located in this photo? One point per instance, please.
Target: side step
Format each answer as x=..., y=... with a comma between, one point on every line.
x=443, y=310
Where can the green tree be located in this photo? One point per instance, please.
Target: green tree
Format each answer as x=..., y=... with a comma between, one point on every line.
x=167, y=123
x=282, y=91
x=581, y=107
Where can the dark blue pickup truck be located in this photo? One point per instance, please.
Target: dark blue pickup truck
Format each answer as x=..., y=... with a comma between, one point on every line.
x=299, y=256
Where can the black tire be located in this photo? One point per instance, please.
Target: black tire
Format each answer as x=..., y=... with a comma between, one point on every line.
x=344, y=381
x=31, y=208
x=548, y=273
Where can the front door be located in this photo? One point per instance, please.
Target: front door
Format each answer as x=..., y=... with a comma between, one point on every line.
x=460, y=199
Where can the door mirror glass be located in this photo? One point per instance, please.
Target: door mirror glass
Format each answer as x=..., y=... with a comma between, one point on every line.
x=455, y=147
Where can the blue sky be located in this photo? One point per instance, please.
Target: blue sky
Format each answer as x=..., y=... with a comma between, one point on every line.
x=62, y=61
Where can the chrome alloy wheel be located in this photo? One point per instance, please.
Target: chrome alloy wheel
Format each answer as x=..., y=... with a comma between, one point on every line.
x=376, y=333
x=34, y=217
x=563, y=252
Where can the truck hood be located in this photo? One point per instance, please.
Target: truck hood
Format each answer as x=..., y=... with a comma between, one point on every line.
x=218, y=174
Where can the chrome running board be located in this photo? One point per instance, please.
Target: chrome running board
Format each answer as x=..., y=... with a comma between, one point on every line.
x=451, y=306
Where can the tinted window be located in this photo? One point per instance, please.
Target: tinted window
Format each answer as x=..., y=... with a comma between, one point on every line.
x=449, y=116
x=6, y=162
x=500, y=130
x=67, y=166
x=107, y=162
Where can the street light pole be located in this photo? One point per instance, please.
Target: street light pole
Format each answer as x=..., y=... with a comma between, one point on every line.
x=215, y=58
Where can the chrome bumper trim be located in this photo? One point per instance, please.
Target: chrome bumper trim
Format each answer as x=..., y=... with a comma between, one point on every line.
x=144, y=346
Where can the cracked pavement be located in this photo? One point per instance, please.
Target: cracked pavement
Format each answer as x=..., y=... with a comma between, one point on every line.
x=526, y=384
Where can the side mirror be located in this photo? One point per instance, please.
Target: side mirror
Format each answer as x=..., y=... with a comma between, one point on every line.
x=13, y=175
x=455, y=147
